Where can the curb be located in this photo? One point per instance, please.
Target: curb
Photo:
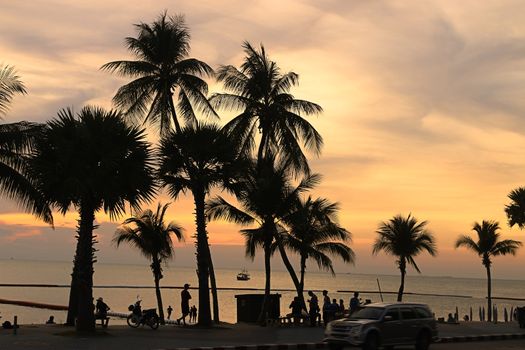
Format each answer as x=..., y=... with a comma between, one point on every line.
x=317, y=346
x=484, y=337
x=304, y=346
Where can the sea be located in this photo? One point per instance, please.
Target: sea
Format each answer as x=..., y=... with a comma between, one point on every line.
x=121, y=285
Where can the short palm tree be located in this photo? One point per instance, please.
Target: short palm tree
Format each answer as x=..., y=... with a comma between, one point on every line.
x=315, y=233
x=266, y=195
x=404, y=238
x=91, y=161
x=161, y=72
x=515, y=210
x=487, y=246
x=262, y=93
x=148, y=232
x=16, y=140
x=198, y=159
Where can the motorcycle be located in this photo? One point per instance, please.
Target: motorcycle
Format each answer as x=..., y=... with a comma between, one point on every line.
x=140, y=318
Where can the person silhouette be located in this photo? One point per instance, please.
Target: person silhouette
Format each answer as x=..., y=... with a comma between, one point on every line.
x=185, y=297
x=170, y=310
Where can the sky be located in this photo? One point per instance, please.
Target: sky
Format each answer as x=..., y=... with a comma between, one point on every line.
x=423, y=110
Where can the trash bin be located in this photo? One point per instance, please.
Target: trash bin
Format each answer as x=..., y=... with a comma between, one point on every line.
x=249, y=307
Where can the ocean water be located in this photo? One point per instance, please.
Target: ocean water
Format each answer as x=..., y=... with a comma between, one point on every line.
x=462, y=293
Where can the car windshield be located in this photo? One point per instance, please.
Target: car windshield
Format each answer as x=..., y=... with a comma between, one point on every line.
x=368, y=313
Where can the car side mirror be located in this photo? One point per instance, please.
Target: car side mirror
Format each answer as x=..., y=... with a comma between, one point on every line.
x=387, y=318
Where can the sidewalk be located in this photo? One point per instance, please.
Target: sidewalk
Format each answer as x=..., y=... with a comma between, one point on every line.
x=50, y=337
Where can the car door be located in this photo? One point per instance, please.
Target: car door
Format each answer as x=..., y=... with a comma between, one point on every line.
x=391, y=327
x=411, y=324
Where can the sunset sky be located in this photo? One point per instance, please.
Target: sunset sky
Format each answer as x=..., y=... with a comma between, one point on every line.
x=424, y=109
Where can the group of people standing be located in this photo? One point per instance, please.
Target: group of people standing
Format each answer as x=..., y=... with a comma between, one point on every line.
x=331, y=309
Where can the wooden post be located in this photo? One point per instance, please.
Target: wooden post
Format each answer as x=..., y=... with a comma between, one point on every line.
x=379, y=286
x=15, y=325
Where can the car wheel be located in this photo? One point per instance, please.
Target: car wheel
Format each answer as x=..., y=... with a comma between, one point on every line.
x=371, y=342
x=423, y=341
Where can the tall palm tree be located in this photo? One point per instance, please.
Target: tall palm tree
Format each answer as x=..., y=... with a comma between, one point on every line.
x=266, y=195
x=315, y=233
x=162, y=70
x=262, y=93
x=152, y=237
x=91, y=161
x=404, y=238
x=198, y=159
x=515, y=210
x=487, y=246
x=16, y=140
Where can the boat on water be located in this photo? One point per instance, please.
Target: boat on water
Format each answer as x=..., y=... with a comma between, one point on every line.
x=243, y=276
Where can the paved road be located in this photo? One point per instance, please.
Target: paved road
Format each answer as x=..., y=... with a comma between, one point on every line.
x=55, y=337
x=488, y=345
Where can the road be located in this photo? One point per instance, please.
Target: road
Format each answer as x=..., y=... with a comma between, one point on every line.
x=486, y=345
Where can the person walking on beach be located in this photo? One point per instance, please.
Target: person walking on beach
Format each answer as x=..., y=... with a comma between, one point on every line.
x=184, y=303
x=313, y=311
x=354, y=303
x=170, y=310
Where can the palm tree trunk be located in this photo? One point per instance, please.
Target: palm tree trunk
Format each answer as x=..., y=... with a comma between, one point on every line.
x=266, y=301
x=203, y=268
x=213, y=284
x=489, y=296
x=402, y=268
x=262, y=146
x=157, y=275
x=85, y=317
x=174, y=115
x=73, y=292
x=301, y=281
x=290, y=268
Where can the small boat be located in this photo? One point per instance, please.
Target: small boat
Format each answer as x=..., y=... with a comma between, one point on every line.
x=243, y=276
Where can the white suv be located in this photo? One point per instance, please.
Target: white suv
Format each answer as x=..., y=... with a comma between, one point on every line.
x=384, y=324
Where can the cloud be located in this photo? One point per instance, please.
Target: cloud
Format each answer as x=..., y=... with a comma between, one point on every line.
x=423, y=100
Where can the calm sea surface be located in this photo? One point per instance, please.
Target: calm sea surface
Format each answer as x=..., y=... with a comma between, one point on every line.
x=58, y=273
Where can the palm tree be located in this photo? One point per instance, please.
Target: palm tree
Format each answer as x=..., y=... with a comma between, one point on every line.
x=16, y=140
x=404, y=238
x=152, y=237
x=314, y=233
x=162, y=70
x=197, y=159
x=487, y=246
x=262, y=93
x=10, y=84
x=516, y=209
x=266, y=195
x=91, y=161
